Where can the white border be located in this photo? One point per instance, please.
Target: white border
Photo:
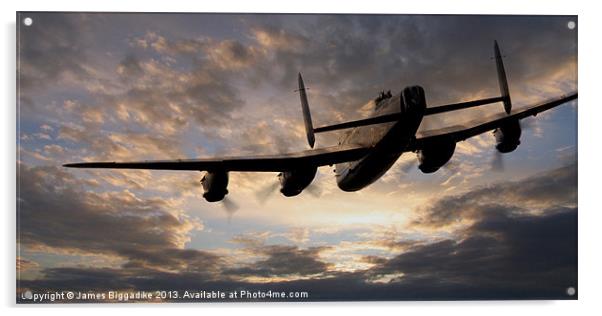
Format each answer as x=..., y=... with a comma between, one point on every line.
x=589, y=143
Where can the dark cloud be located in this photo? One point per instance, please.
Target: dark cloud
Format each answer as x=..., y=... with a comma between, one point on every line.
x=516, y=239
x=526, y=257
x=283, y=261
x=58, y=53
x=554, y=188
x=504, y=254
x=168, y=84
x=348, y=59
x=56, y=212
x=50, y=48
x=168, y=99
x=130, y=67
x=24, y=264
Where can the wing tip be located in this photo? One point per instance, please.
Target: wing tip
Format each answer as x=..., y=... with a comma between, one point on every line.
x=86, y=164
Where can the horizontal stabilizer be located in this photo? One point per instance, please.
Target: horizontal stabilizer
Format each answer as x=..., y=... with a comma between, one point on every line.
x=460, y=106
x=369, y=121
x=397, y=116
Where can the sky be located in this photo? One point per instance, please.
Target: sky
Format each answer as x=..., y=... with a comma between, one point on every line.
x=119, y=87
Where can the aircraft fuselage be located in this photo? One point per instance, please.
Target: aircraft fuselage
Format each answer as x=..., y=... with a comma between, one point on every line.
x=388, y=140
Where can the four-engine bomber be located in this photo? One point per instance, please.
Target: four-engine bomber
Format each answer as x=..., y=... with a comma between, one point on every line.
x=370, y=146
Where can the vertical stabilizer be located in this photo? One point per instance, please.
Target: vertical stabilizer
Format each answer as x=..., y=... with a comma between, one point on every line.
x=309, y=128
x=501, y=77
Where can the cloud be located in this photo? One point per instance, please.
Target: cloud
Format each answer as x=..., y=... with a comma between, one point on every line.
x=554, y=188
x=24, y=264
x=233, y=55
x=279, y=260
x=115, y=146
x=263, y=138
x=174, y=93
x=57, y=213
x=283, y=261
x=199, y=84
x=503, y=256
x=163, y=99
x=298, y=235
x=503, y=253
x=503, y=259
x=278, y=39
x=130, y=67
x=162, y=45
x=51, y=49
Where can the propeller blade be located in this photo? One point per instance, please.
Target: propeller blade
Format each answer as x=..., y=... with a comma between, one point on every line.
x=266, y=192
x=452, y=166
x=229, y=206
x=407, y=166
x=497, y=163
x=314, y=189
x=527, y=124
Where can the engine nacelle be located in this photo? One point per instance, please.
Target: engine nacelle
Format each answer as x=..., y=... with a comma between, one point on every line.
x=293, y=182
x=435, y=154
x=215, y=185
x=507, y=137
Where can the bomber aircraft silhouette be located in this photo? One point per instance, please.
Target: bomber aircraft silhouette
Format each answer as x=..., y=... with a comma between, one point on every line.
x=369, y=149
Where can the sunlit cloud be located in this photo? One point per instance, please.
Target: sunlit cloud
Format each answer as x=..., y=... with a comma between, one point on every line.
x=90, y=91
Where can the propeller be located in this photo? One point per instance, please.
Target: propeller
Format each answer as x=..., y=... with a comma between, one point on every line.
x=408, y=165
x=528, y=124
x=229, y=206
x=497, y=162
x=452, y=166
x=314, y=189
x=266, y=192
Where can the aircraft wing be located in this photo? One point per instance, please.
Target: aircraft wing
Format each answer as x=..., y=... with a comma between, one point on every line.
x=275, y=163
x=476, y=127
